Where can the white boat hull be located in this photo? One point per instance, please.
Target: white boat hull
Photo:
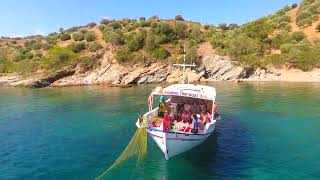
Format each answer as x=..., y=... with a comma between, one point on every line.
x=172, y=144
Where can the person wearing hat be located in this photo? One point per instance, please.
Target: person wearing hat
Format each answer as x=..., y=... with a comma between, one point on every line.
x=200, y=122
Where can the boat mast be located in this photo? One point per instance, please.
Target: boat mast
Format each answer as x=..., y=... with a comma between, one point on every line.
x=185, y=66
x=185, y=77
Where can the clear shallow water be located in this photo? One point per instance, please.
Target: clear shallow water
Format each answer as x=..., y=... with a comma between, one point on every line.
x=268, y=131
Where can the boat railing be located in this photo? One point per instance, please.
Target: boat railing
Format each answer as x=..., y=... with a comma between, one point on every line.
x=146, y=118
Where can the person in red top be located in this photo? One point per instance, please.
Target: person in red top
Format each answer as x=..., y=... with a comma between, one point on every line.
x=165, y=121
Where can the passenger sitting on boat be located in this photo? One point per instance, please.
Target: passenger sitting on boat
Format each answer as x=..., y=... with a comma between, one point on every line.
x=202, y=106
x=180, y=107
x=179, y=110
x=185, y=116
x=187, y=107
x=195, y=108
x=194, y=125
x=174, y=107
x=200, y=122
x=206, y=117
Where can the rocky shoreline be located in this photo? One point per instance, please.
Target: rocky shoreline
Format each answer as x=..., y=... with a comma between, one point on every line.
x=110, y=73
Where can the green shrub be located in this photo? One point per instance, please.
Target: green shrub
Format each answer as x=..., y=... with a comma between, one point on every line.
x=237, y=47
x=191, y=55
x=163, y=28
x=195, y=34
x=288, y=27
x=28, y=55
x=90, y=36
x=29, y=43
x=154, y=18
x=280, y=12
x=154, y=25
x=178, y=18
x=305, y=22
x=307, y=60
x=83, y=31
x=94, y=47
x=285, y=48
x=102, y=27
x=277, y=60
x=77, y=47
x=106, y=21
x=24, y=50
x=78, y=37
x=180, y=29
x=258, y=29
x=136, y=42
x=116, y=38
x=281, y=38
x=123, y=55
x=26, y=66
x=206, y=26
x=36, y=46
x=88, y=62
x=115, y=25
x=161, y=53
x=298, y=36
x=302, y=17
x=38, y=54
x=287, y=8
x=314, y=8
x=284, y=18
x=65, y=37
x=233, y=26
x=150, y=42
x=145, y=23
x=282, y=25
x=18, y=56
x=294, y=5
x=71, y=30
x=223, y=26
x=91, y=25
x=46, y=46
x=142, y=19
x=59, y=57
x=52, y=39
x=162, y=39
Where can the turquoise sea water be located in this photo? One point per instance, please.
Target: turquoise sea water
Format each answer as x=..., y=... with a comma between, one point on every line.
x=267, y=131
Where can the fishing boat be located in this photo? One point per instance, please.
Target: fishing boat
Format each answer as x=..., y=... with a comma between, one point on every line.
x=170, y=128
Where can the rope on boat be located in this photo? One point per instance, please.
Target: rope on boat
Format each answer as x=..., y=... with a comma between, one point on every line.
x=137, y=146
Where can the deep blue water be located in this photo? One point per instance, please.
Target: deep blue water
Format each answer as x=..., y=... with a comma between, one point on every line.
x=267, y=131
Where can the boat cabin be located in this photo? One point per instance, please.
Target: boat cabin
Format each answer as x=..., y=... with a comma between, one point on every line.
x=177, y=107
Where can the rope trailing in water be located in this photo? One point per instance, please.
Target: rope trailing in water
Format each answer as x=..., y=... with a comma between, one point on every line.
x=137, y=146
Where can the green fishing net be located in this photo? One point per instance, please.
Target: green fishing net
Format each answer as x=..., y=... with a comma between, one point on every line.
x=137, y=146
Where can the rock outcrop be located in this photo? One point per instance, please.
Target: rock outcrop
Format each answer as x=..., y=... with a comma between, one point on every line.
x=111, y=73
x=219, y=68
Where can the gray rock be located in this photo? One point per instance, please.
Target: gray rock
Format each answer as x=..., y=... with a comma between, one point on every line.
x=44, y=82
x=277, y=74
